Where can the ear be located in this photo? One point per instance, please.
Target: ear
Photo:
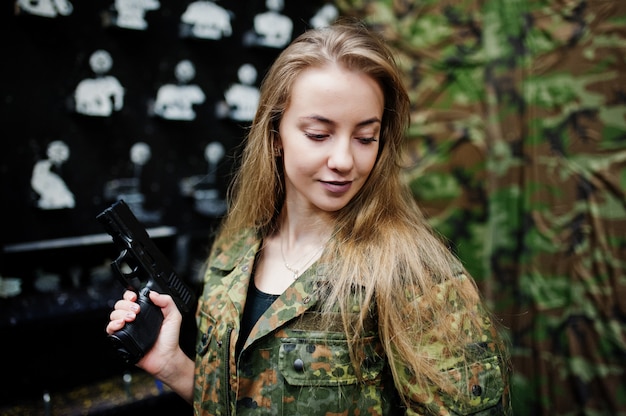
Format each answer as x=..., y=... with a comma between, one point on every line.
x=277, y=144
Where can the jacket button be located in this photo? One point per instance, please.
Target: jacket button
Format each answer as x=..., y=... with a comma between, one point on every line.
x=298, y=365
x=477, y=390
x=245, y=268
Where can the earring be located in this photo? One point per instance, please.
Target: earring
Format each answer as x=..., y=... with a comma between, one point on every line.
x=278, y=151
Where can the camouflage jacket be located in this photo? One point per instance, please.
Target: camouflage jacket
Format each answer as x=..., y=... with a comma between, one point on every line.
x=289, y=365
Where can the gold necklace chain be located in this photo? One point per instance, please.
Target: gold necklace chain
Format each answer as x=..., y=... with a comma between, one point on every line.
x=294, y=271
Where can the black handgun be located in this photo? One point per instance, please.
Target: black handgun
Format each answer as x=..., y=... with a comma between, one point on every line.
x=141, y=267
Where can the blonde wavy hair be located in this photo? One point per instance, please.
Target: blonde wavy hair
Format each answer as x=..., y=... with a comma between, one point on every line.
x=382, y=250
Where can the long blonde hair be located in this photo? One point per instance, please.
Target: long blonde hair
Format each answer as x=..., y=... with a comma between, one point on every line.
x=382, y=245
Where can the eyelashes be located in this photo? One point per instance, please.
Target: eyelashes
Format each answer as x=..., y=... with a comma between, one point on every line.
x=367, y=139
x=317, y=137
x=320, y=137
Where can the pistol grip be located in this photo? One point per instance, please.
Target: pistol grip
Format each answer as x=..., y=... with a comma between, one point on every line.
x=136, y=338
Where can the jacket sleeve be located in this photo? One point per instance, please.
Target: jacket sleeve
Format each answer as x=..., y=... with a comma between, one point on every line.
x=479, y=369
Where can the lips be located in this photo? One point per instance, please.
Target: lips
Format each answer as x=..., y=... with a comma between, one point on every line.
x=336, y=186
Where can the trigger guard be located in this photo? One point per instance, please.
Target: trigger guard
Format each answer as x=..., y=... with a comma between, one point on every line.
x=128, y=280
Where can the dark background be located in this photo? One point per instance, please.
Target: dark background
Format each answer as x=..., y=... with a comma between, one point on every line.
x=53, y=336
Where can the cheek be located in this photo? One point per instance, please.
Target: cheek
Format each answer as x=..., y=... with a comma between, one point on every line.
x=302, y=156
x=295, y=165
x=366, y=161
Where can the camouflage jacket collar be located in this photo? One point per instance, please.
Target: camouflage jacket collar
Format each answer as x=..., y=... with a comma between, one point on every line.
x=234, y=260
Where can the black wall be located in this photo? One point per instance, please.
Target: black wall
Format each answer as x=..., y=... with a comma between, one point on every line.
x=52, y=326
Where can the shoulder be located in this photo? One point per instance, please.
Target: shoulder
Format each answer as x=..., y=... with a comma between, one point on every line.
x=227, y=248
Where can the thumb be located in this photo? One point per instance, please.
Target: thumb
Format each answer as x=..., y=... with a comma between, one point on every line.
x=163, y=301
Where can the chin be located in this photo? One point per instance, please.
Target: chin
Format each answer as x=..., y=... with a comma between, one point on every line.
x=332, y=207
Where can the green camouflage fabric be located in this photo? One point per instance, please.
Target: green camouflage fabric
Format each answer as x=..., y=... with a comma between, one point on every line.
x=518, y=157
x=292, y=365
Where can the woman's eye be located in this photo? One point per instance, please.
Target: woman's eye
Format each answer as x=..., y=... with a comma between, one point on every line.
x=366, y=140
x=316, y=136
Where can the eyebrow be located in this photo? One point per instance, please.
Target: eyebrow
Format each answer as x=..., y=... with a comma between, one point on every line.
x=325, y=120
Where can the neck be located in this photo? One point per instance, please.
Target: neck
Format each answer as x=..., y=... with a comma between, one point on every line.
x=297, y=232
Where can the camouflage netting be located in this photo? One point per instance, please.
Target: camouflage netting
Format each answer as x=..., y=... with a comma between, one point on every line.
x=518, y=142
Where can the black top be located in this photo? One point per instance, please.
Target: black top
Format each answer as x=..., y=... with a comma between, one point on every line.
x=257, y=302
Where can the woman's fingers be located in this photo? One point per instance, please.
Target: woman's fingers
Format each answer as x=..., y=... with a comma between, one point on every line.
x=130, y=295
x=115, y=325
x=125, y=310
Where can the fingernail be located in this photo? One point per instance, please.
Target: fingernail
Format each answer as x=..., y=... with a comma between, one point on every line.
x=134, y=307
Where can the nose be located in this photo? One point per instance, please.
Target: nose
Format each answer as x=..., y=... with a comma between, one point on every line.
x=341, y=157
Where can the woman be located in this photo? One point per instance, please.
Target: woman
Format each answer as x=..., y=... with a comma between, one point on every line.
x=326, y=292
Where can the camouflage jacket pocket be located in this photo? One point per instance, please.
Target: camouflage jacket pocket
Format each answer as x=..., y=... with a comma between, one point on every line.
x=481, y=387
x=326, y=362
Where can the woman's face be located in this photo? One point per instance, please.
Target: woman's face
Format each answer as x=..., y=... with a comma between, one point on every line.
x=329, y=134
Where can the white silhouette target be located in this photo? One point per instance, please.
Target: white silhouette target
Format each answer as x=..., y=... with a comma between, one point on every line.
x=206, y=20
x=241, y=99
x=271, y=28
x=175, y=102
x=49, y=185
x=102, y=95
x=46, y=8
x=131, y=13
x=203, y=188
